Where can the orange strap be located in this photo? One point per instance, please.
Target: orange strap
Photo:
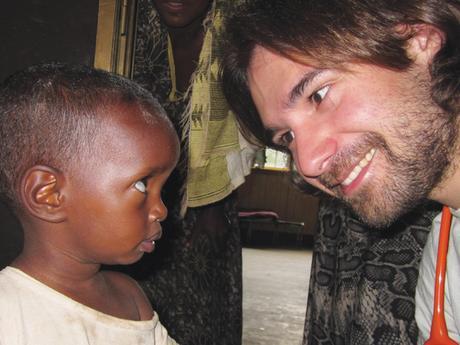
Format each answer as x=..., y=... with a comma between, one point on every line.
x=439, y=334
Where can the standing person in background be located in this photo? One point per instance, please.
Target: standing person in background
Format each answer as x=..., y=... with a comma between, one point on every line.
x=196, y=284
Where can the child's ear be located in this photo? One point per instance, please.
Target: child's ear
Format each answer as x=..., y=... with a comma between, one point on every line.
x=41, y=193
x=426, y=41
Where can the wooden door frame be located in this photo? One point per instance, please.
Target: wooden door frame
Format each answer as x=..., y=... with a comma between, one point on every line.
x=115, y=36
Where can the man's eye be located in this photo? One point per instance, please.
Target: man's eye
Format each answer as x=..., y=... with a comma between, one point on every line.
x=318, y=96
x=141, y=185
x=287, y=138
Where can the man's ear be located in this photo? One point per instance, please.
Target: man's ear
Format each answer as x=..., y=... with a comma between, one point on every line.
x=425, y=42
x=42, y=195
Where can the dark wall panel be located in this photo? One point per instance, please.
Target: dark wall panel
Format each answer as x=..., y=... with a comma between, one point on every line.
x=35, y=31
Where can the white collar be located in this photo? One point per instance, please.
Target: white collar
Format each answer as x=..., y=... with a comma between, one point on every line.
x=455, y=212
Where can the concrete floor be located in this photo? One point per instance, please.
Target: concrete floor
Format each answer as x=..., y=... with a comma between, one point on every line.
x=275, y=287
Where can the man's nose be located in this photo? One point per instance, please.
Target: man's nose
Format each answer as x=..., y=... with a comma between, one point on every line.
x=313, y=155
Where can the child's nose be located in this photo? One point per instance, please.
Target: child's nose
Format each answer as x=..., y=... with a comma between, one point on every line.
x=313, y=155
x=158, y=211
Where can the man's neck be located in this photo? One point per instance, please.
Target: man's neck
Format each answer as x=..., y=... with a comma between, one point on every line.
x=448, y=192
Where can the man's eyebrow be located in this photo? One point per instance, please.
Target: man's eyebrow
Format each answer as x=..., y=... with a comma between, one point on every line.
x=297, y=90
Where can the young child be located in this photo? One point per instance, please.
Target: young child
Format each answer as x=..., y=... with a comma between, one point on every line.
x=84, y=155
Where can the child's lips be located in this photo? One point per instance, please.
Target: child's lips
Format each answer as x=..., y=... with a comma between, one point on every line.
x=148, y=245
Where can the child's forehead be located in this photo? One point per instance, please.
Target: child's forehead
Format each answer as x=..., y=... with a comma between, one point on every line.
x=122, y=111
x=125, y=136
x=133, y=120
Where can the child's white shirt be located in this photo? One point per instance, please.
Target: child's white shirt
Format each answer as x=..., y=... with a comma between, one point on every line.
x=33, y=313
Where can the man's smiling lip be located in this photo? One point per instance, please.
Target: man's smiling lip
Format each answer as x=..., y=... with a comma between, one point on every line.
x=359, y=167
x=358, y=172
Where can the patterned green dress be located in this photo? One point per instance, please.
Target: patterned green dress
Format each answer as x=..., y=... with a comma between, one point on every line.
x=194, y=277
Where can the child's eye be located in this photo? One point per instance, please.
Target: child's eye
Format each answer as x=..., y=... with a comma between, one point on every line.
x=318, y=96
x=141, y=185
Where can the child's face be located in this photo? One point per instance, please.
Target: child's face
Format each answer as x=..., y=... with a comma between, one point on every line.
x=114, y=196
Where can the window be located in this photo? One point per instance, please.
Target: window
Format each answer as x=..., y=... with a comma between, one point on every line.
x=271, y=159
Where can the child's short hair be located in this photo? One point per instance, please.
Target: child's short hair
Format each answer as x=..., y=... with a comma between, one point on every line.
x=50, y=113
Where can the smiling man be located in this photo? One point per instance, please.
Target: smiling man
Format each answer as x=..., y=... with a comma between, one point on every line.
x=365, y=95
x=360, y=132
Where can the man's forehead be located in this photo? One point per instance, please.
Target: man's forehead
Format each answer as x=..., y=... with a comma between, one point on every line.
x=272, y=77
x=262, y=56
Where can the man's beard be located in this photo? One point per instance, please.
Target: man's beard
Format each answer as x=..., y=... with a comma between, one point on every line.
x=417, y=152
x=406, y=179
